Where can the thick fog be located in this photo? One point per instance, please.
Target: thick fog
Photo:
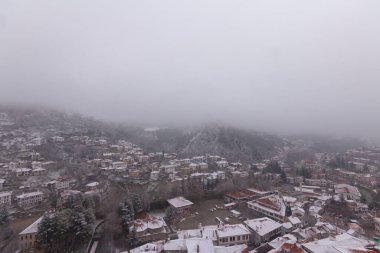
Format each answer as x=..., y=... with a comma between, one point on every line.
x=284, y=66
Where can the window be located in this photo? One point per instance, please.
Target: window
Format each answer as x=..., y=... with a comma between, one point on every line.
x=21, y=238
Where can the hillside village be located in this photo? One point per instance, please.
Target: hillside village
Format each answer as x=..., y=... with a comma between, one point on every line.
x=103, y=193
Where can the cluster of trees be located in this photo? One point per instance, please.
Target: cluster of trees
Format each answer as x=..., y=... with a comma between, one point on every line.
x=273, y=167
x=294, y=157
x=340, y=162
x=5, y=229
x=127, y=215
x=170, y=214
x=306, y=173
x=4, y=216
x=66, y=230
x=375, y=203
x=128, y=211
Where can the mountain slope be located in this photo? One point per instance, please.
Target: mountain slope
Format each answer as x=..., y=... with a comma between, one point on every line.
x=232, y=143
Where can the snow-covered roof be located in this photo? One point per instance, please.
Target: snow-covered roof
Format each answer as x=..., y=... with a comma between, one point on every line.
x=277, y=242
x=151, y=222
x=230, y=204
x=272, y=204
x=199, y=246
x=263, y=226
x=39, y=169
x=230, y=249
x=346, y=188
x=194, y=245
x=3, y=194
x=259, y=192
x=206, y=232
x=175, y=245
x=29, y=194
x=179, y=202
x=339, y=244
x=232, y=230
x=92, y=184
x=294, y=220
x=287, y=225
x=153, y=247
x=289, y=199
x=315, y=209
x=23, y=170
x=33, y=228
x=288, y=247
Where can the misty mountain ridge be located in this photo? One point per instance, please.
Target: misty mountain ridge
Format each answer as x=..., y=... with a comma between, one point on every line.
x=230, y=142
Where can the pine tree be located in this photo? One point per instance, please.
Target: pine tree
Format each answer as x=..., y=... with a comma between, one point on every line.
x=52, y=232
x=127, y=215
x=133, y=241
x=283, y=177
x=78, y=226
x=88, y=202
x=137, y=205
x=4, y=216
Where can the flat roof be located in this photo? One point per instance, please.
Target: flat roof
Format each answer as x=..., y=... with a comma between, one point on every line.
x=29, y=194
x=232, y=230
x=92, y=184
x=2, y=194
x=180, y=202
x=263, y=226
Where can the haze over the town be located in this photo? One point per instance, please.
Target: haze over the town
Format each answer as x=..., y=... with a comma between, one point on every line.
x=282, y=66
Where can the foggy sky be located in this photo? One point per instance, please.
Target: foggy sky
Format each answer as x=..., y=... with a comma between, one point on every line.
x=285, y=66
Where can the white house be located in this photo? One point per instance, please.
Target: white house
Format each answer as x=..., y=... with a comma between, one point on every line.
x=5, y=199
x=180, y=204
x=29, y=199
x=58, y=184
x=339, y=243
x=263, y=229
x=2, y=181
x=222, y=164
x=153, y=247
x=92, y=186
x=198, y=245
x=58, y=139
x=154, y=175
x=272, y=206
x=228, y=235
x=348, y=192
x=203, y=166
x=27, y=238
x=23, y=172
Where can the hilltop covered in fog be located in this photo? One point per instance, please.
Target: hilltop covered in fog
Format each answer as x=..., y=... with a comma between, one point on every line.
x=230, y=142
